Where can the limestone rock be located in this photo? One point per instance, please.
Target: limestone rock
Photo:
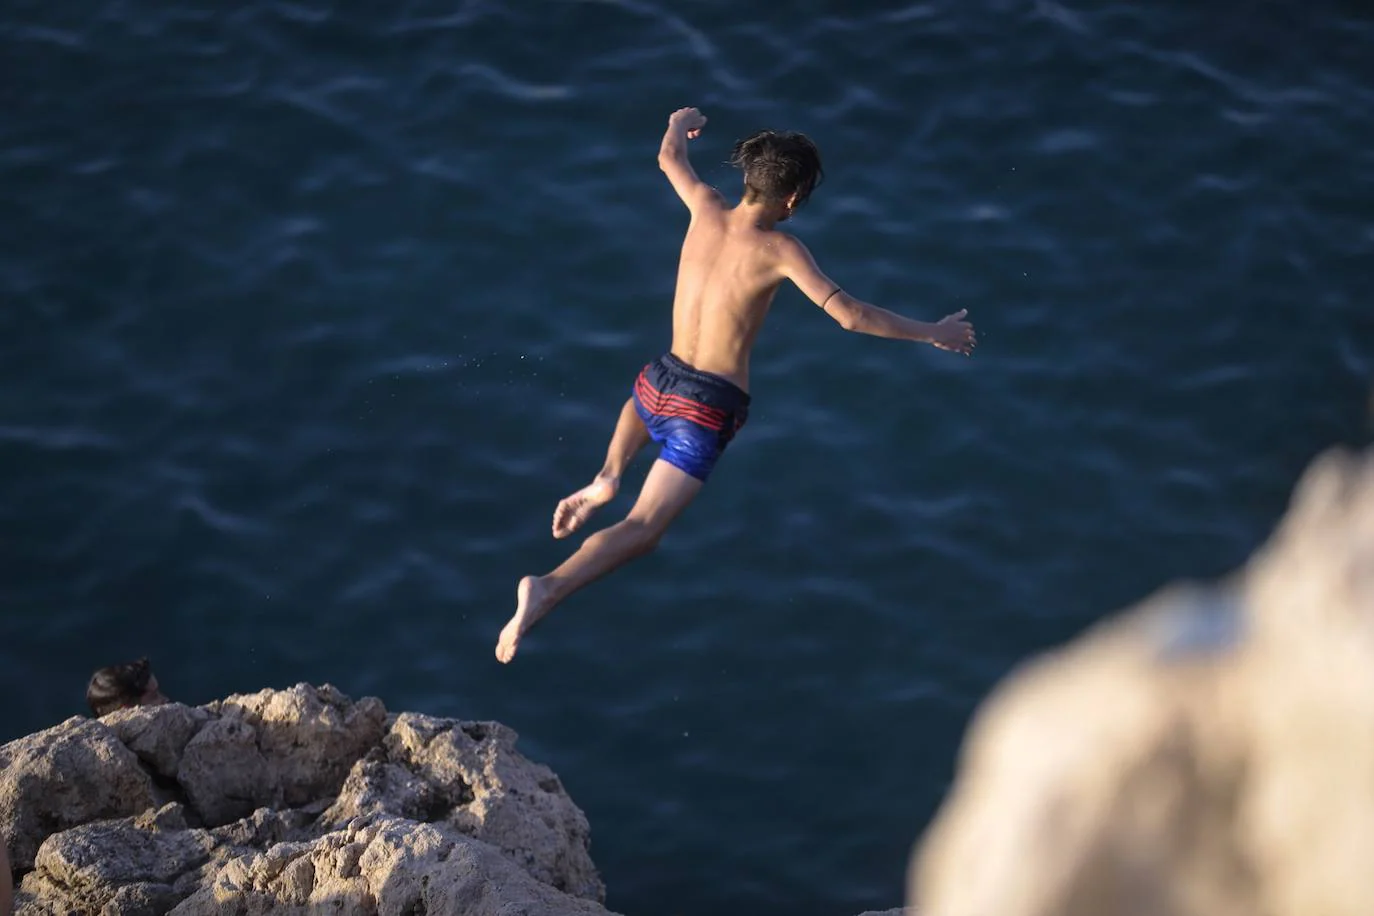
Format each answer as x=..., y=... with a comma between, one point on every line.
x=309, y=736
x=6, y=888
x=386, y=865
x=171, y=816
x=265, y=828
x=158, y=734
x=469, y=775
x=436, y=815
x=119, y=867
x=276, y=748
x=62, y=777
x=1209, y=752
x=223, y=773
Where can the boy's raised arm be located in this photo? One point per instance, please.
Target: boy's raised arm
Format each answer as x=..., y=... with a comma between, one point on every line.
x=683, y=125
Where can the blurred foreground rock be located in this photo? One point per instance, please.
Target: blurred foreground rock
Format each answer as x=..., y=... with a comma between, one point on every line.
x=289, y=801
x=1210, y=752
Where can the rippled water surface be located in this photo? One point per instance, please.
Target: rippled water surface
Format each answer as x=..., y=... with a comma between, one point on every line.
x=312, y=312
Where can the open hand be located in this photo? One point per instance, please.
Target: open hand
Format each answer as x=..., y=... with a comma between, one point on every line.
x=690, y=118
x=953, y=333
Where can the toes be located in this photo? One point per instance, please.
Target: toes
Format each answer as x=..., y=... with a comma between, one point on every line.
x=570, y=516
x=562, y=518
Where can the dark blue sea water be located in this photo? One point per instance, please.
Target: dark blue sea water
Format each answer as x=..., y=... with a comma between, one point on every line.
x=312, y=311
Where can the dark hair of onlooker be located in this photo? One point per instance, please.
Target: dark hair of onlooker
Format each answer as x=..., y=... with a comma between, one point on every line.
x=123, y=686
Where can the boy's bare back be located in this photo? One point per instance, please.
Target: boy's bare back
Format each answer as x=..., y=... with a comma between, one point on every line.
x=727, y=277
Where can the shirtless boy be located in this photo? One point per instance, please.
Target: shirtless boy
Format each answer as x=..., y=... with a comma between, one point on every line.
x=694, y=398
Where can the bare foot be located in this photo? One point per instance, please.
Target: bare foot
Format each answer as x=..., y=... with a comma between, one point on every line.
x=574, y=511
x=531, y=596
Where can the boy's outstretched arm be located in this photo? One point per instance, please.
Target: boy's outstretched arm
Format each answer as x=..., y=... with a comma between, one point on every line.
x=949, y=333
x=683, y=125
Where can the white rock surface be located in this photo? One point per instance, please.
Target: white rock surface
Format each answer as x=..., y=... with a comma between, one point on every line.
x=68, y=775
x=289, y=801
x=1210, y=752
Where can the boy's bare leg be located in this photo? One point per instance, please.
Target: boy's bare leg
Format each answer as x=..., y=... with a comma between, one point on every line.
x=630, y=436
x=667, y=491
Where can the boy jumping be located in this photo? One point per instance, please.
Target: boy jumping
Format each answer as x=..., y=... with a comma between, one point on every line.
x=694, y=398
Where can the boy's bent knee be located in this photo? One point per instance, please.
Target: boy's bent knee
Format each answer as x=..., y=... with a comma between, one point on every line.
x=645, y=534
x=649, y=535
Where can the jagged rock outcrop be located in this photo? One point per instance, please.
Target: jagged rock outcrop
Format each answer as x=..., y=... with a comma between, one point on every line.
x=125, y=865
x=468, y=776
x=285, y=802
x=1210, y=752
x=68, y=775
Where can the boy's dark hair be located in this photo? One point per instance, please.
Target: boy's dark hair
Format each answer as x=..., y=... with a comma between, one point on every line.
x=778, y=164
x=118, y=686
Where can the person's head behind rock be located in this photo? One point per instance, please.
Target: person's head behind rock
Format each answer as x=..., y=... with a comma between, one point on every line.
x=123, y=686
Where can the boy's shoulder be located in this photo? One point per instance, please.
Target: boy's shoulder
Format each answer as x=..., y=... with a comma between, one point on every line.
x=786, y=242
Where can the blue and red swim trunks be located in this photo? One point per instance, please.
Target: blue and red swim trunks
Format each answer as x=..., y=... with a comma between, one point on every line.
x=692, y=414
